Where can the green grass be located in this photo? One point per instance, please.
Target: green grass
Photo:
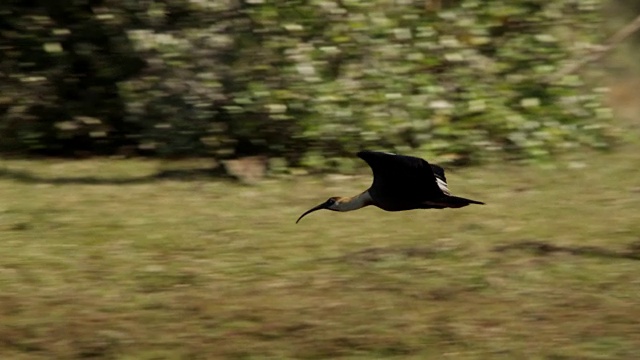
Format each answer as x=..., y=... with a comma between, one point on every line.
x=99, y=260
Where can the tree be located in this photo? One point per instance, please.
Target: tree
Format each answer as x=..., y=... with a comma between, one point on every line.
x=307, y=81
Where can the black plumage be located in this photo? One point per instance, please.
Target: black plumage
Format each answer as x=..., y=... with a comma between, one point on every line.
x=403, y=182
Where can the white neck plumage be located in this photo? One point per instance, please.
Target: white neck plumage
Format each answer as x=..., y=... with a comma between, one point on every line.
x=354, y=203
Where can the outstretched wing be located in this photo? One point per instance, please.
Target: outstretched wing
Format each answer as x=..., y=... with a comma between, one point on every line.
x=402, y=179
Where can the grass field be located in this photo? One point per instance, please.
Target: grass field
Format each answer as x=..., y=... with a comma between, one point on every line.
x=101, y=260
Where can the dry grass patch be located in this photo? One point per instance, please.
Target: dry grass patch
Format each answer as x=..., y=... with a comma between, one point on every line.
x=102, y=259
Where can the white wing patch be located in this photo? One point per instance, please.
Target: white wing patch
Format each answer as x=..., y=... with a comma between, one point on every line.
x=442, y=185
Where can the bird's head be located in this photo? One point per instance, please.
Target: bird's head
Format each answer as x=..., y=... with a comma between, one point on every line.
x=333, y=203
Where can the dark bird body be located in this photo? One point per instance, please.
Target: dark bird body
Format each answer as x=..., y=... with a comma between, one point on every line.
x=399, y=183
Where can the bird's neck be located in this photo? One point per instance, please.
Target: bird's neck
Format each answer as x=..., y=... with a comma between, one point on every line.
x=355, y=203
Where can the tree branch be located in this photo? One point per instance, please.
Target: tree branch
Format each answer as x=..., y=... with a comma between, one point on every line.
x=600, y=51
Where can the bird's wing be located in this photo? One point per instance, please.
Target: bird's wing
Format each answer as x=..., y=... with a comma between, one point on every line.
x=402, y=176
x=441, y=180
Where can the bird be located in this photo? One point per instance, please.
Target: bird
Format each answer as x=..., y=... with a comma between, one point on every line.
x=400, y=182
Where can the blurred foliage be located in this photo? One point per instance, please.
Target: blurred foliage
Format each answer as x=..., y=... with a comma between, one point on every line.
x=308, y=82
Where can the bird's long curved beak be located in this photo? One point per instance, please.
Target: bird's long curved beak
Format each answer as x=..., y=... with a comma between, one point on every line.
x=319, y=207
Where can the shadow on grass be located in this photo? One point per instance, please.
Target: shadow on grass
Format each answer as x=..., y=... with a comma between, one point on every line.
x=376, y=254
x=540, y=248
x=178, y=175
x=544, y=248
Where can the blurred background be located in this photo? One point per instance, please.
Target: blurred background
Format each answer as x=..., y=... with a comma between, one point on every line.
x=308, y=83
x=154, y=155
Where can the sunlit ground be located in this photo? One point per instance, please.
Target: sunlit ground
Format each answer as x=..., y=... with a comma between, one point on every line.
x=101, y=261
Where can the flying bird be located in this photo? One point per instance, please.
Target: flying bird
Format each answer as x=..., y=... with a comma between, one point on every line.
x=400, y=183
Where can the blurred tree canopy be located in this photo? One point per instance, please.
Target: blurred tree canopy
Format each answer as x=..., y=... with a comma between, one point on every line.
x=307, y=81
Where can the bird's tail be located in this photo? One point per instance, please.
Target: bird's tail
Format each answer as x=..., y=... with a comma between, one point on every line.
x=448, y=201
x=458, y=202
x=455, y=202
